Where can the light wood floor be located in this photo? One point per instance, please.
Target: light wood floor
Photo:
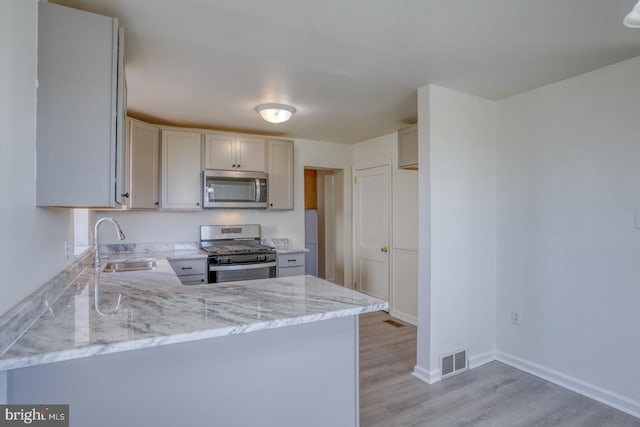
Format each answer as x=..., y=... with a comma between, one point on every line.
x=494, y=395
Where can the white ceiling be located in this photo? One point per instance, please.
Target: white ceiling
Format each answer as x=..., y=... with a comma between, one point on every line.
x=350, y=67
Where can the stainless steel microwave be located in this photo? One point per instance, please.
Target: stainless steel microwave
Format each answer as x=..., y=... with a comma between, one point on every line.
x=235, y=189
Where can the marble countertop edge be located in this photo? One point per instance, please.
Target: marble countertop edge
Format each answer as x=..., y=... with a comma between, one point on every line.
x=142, y=343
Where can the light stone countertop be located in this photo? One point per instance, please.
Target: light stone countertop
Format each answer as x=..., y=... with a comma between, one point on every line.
x=291, y=251
x=104, y=313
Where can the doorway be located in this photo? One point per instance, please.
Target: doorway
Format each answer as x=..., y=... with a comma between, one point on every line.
x=324, y=224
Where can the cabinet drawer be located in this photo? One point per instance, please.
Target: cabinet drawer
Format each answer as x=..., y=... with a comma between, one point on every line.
x=291, y=260
x=197, y=279
x=189, y=267
x=290, y=271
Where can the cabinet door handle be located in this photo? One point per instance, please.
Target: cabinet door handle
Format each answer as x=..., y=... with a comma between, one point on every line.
x=234, y=165
x=197, y=204
x=291, y=260
x=125, y=195
x=238, y=165
x=187, y=268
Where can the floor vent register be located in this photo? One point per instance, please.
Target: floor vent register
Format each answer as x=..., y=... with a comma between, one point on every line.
x=454, y=363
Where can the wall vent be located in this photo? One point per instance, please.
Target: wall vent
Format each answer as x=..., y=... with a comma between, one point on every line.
x=454, y=363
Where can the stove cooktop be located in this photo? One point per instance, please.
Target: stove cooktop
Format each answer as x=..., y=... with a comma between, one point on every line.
x=229, y=248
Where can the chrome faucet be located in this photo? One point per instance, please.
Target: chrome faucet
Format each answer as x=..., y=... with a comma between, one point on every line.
x=96, y=238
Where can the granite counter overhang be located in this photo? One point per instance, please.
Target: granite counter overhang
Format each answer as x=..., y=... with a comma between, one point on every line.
x=136, y=310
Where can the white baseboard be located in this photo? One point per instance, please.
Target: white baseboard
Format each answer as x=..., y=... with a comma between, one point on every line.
x=429, y=377
x=601, y=395
x=412, y=320
x=481, y=359
x=434, y=376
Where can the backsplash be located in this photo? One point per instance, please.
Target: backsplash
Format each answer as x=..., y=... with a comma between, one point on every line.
x=110, y=248
x=156, y=226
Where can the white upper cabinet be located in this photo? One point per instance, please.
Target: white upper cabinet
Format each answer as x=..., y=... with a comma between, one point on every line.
x=280, y=171
x=219, y=152
x=408, y=148
x=181, y=180
x=229, y=152
x=143, y=155
x=81, y=108
x=250, y=154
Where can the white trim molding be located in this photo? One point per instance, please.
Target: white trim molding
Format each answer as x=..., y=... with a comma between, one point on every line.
x=481, y=359
x=601, y=395
x=430, y=377
x=412, y=320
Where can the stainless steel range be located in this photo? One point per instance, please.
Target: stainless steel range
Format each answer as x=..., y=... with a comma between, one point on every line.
x=235, y=253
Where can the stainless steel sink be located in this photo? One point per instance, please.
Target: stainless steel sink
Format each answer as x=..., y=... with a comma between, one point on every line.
x=133, y=264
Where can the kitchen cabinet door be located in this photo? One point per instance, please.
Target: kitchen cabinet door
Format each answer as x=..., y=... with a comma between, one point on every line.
x=408, y=148
x=81, y=108
x=143, y=162
x=280, y=171
x=228, y=152
x=181, y=171
x=250, y=155
x=219, y=152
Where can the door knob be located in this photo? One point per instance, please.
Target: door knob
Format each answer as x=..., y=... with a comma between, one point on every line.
x=384, y=249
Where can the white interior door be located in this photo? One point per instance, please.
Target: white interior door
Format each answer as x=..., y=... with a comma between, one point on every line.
x=372, y=206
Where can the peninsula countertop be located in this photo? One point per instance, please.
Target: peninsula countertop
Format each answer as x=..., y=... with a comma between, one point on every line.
x=102, y=313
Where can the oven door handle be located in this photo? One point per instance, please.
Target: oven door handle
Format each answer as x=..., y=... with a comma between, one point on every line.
x=241, y=266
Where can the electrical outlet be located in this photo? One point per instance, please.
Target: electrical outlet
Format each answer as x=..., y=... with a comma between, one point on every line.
x=515, y=317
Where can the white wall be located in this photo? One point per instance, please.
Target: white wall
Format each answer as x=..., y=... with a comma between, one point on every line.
x=32, y=249
x=404, y=223
x=142, y=226
x=461, y=189
x=568, y=250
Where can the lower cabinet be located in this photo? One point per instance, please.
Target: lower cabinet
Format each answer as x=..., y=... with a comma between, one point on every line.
x=190, y=271
x=290, y=264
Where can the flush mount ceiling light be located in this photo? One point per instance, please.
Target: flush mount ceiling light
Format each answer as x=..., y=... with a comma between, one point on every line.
x=275, y=113
x=632, y=20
